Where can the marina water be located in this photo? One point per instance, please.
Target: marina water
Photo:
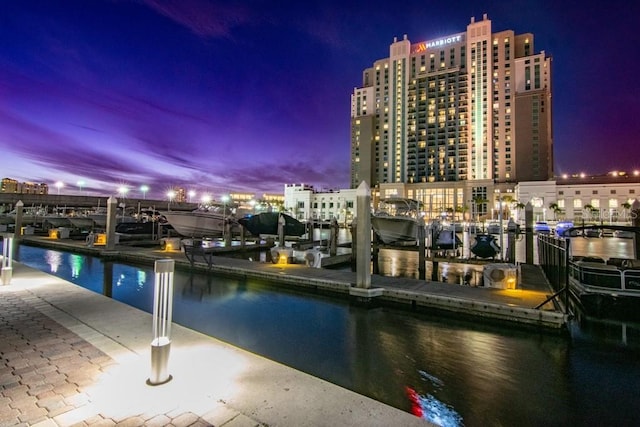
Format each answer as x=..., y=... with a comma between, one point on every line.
x=449, y=371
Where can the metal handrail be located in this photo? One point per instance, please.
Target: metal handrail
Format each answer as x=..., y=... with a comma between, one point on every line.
x=604, y=275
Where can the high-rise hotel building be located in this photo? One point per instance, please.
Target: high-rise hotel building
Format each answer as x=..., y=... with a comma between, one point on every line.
x=455, y=118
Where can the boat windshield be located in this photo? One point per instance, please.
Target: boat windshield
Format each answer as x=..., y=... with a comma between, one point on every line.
x=400, y=207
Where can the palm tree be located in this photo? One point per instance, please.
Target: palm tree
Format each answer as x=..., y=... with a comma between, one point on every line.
x=553, y=206
x=556, y=210
x=590, y=209
x=479, y=201
x=627, y=207
x=461, y=210
x=517, y=206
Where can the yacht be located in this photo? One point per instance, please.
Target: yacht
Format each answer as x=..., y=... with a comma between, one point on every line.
x=206, y=221
x=397, y=220
x=266, y=223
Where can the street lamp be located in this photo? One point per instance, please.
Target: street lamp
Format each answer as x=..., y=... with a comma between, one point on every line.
x=59, y=185
x=170, y=195
x=80, y=185
x=191, y=195
x=224, y=199
x=144, y=189
x=122, y=190
x=206, y=198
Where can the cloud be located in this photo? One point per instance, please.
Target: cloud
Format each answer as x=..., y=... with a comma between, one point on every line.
x=203, y=17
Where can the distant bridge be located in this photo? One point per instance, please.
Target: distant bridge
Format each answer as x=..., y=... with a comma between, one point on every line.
x=9, y=200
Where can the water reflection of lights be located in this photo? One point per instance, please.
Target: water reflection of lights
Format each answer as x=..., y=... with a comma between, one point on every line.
x=120, y=280
x=431, y=409
x=76, y=265
x=54, y=259
x=142, y=279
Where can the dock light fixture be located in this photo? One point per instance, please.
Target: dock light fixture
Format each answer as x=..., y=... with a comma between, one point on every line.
x=7, y=254
x=144, y=189
x=162, y=314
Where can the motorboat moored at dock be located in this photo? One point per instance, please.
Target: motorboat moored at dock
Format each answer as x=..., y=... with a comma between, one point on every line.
x=209, y=221
x=610, y=289
x=266, y=223
x=397, y=220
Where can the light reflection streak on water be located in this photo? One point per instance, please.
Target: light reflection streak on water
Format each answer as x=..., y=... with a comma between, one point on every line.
x=54, y=259
x=433, y=410
x=76, y=262
x=142, y=279
x=135, y=276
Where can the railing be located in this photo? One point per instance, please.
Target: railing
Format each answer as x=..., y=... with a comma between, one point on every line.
x=616, y=275
x=606, y=277
x=553, y=258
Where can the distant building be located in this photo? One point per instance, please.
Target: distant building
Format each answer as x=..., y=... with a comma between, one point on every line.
x=455, y=118
x=9, y=185
x=592, y=198
x=180, y=195
x=304, y=203
x=273, y=198
x=242, y=197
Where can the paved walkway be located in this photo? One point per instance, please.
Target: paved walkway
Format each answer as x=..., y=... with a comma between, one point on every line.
x=71, y=357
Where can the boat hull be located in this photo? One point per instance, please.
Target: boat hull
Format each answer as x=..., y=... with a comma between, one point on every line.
x=199, y=224
x=266, y=223
x=82, y=222
x=57, y=221
x=392, y=229
x=606, y=291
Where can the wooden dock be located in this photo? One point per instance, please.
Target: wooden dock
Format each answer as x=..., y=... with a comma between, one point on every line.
x=510, y=306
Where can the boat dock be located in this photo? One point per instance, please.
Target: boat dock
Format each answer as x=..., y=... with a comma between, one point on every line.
x=527, y=306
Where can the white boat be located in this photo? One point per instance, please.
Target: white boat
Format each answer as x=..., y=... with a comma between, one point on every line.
x=82, y=222
x=6, y=219
x=55, y=221
x=202, y=222
x=397, y=220
x=624, y=234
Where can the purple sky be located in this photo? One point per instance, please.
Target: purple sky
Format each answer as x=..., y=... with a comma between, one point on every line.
x=224, y=96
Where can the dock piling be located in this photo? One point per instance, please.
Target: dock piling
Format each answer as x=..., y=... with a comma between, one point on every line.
x=421, y=250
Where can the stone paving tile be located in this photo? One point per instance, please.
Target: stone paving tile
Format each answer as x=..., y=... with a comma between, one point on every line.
x=45, y=369
x=185, y=419
x=158, y=421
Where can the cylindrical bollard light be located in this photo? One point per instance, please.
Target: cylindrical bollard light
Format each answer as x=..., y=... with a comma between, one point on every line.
x=162, y=311
x=466, y=242
x=7, y=258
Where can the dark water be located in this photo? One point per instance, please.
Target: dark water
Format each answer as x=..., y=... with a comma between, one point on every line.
x=452, y=372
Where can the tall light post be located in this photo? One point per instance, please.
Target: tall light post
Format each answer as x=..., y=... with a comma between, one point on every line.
x=80, y=185
x=206, y=199
x=191, y=194
x=170, y=195
x=224, y=199
x=144, y=189
x=123, y=190
x=59, y=185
